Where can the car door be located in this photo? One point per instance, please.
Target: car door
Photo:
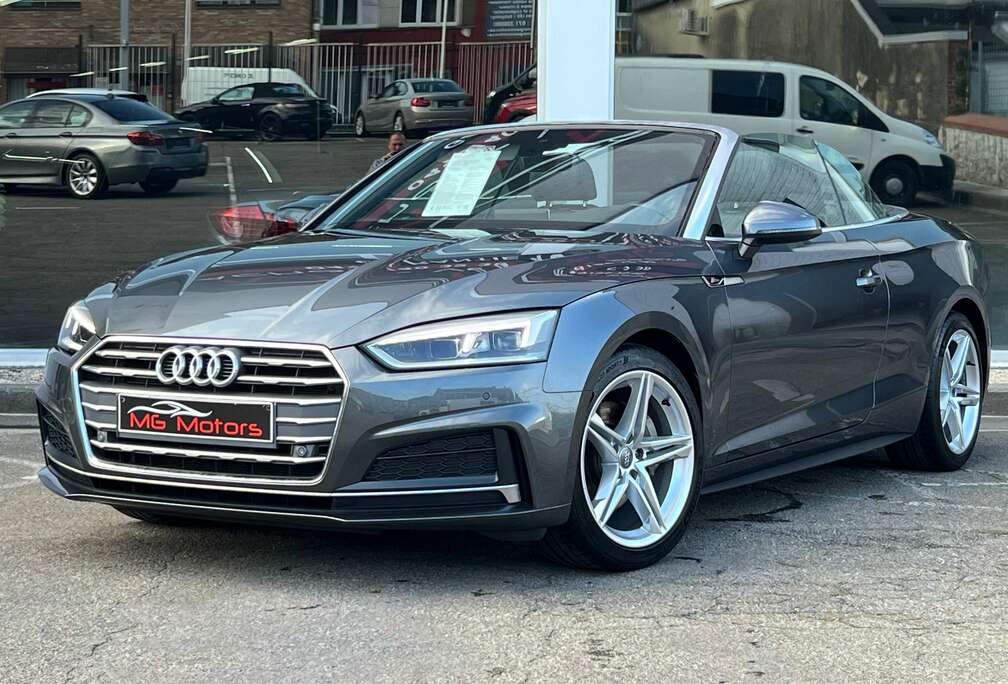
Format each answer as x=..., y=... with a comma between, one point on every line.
x=235, y=108
x=47, y=136
x=808, y=319
x=832, y=115
x=384, y=107
x=14, y=159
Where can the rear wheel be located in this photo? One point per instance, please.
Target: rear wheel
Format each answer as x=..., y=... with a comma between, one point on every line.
x=639, y=467
x=950, y=424
x=360, y=126
x=399, y=124
x=270, y=128
x=158, y=187
x=85, y=177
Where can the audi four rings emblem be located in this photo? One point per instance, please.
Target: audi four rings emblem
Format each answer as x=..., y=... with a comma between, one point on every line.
x=200, y=366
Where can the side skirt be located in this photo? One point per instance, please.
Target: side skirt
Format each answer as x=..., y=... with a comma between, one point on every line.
x=745, y=472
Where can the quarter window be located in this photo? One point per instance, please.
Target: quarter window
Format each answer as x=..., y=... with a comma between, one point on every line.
x=747, y=93
x=78, y=117
x=766, y=172
x=822, y=100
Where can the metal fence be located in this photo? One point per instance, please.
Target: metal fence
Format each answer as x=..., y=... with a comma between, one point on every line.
x=989, y=78
x=342, y=73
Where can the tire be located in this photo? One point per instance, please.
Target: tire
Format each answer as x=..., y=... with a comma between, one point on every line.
x=360, y=126
x=158, y=187
x=399, y=125
x=158, y=518
x=270, y=128
x=896, y=182
x=612, y=542
x=930, y=447
x=85, y=178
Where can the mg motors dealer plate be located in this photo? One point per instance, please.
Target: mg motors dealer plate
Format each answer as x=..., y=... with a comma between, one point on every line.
x=196, y=420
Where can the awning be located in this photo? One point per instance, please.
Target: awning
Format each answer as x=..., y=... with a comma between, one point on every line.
x=40, y=60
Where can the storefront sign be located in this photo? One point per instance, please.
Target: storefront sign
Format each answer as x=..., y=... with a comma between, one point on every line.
x=509, y=18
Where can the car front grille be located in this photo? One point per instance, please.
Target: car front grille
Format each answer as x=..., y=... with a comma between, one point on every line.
x=301, y=381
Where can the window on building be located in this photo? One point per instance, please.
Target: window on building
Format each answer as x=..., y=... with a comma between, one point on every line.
x=46, y=4
x=747, y=93
x=427, y=11
x=344, y=13
x=237, y=3
x=822, y=100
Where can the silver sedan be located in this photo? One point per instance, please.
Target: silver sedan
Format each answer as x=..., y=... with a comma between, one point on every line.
x=88, y=142
x=416, y=104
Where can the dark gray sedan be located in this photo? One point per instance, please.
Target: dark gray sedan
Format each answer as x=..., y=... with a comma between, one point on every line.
x=553, y=332
x=87, y=142
x=416, y=104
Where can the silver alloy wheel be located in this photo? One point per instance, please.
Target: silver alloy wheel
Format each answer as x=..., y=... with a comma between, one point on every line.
x=637, y=471
x=83, y=176
x=398, y=124
x=959, y=392
x=359, y=125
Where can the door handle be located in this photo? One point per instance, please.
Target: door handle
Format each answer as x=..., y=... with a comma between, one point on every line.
x=66, y=134
x=806, y=130
x=868, y=280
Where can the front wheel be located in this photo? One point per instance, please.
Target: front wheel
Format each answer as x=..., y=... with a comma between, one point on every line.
x=895, y=182
x=638, y=473
x=950, y=424
x=85, y=177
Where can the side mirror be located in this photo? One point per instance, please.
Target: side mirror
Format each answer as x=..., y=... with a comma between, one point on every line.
x=215, y=99
x=775, y=223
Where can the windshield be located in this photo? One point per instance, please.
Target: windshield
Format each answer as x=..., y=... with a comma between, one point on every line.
x=628, y=179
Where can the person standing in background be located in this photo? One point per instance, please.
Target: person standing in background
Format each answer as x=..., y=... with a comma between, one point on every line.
x=396, y=143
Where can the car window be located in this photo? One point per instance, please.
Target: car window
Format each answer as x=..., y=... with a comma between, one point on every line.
x=401, y=89
x=78, y=117
x=638, y=180
x=130, y=111
x=50, y=114
x=439, y=86
x=14, y=115
x=859, y=202
x=770, y=172
x=822, y=100
x=281, y=90
x=236, y=94
x=747, y=93
x=390, y=90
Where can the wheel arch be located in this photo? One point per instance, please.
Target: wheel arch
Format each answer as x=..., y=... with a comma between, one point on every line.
x=974, y=313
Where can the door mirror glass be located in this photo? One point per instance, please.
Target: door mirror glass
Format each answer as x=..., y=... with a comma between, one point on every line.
x=776, y=223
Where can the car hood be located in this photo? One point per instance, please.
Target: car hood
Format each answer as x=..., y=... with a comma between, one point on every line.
x=343, y=289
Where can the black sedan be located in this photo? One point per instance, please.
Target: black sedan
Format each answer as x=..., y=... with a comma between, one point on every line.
x=552, y=332
x=271, y=110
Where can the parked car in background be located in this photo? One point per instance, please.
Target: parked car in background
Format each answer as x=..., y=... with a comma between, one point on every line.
x=128, y=94
x=552, y=332
x=272, y=110
x=415, y=104
x=525, y=81
x=895, y=157
x=205, y=83
x=87, y=143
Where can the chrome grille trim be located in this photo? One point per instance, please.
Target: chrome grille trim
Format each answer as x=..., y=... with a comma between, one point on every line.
x=291, y=429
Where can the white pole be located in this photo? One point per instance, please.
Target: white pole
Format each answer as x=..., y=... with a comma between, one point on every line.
x=444, y=34
x=124, y=41
x=575, y=38
x=187, y=40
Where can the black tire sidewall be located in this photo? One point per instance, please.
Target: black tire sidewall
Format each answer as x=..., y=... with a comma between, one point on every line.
x=604, y=551
x=931, y=427
x=262, y=130
x=905, y=172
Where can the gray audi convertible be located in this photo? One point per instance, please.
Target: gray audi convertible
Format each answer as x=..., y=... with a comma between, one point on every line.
x=554, y=332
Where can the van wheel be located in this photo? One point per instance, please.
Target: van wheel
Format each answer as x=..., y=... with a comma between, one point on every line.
x=895, y=182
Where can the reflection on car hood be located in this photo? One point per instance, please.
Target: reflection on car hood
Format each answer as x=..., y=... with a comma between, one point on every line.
x=340, y=289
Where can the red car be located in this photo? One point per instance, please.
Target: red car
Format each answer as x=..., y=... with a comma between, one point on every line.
x=521, y=106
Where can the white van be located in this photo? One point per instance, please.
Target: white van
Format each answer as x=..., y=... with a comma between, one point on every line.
x=204, y=83
x=896, y=157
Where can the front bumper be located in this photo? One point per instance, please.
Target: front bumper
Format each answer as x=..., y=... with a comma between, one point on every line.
x=381, y=410
x=939, y=179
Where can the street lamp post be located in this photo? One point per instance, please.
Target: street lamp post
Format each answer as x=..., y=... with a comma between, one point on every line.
x=187, y=39
x=124, y=40
x=444, y=35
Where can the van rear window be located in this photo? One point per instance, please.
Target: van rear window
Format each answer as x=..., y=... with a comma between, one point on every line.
x=747, y=93
x=130, y=111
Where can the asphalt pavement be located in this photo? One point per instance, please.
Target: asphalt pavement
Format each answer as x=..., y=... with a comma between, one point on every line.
x=850, y=572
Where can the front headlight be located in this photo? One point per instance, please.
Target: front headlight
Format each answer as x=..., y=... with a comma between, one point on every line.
x=78, y=327
x=522, y=337
x=933, y=141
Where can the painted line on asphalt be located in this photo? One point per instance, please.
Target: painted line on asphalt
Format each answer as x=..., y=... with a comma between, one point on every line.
x=23, y=358
x=43, y=208
x=25, y=480
x=262, y=167
x=232, y=194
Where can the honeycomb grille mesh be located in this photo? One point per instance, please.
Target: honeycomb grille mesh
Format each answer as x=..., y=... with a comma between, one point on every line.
x=461, y=455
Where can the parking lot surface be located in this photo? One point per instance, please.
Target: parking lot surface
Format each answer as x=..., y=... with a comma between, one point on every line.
x=850, y=572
